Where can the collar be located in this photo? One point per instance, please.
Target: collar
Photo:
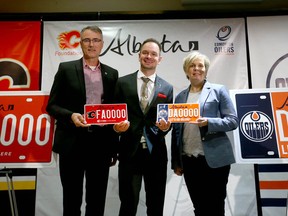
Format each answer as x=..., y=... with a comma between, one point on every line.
x=141, y=74
x=91, y=67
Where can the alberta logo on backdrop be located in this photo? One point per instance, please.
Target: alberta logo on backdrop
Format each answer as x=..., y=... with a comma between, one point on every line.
x=69, y=44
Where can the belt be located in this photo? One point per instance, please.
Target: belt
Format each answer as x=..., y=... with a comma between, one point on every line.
x=144, y=145
x=143, y=142
x=92, y=128
x=192, y=156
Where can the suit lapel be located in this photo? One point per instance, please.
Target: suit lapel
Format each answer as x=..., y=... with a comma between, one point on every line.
x=80, y=76
x=105, y=78
x=134, y=91
x=204, y=96
x=157, y=89
x=184, y=97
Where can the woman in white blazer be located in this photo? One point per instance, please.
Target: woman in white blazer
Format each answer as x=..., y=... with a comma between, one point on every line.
x=201, y=150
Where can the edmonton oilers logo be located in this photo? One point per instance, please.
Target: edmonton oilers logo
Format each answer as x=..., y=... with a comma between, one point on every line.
x=256, y=126
x=224, y=33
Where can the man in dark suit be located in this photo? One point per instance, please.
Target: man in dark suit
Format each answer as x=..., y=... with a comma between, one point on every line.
x=142, y=147
x=84, y=150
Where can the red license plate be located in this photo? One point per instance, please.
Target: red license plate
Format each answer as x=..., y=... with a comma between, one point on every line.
x=26, y=130
x=97, y=114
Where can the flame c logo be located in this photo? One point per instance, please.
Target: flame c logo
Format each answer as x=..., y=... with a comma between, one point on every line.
x=69, y=40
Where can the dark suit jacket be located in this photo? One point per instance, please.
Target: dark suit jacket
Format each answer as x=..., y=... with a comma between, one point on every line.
x=126, y=92
x=68, y=95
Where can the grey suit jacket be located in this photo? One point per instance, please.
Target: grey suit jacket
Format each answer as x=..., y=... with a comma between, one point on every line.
x=217, y=107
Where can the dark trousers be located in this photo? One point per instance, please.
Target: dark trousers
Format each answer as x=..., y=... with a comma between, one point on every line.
x=206, y=186
x=154, y=174
x=92, y=165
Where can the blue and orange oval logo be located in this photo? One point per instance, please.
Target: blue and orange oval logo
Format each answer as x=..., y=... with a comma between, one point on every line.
x=256, y=126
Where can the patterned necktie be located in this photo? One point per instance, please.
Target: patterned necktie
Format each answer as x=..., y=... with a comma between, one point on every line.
x=144, y=93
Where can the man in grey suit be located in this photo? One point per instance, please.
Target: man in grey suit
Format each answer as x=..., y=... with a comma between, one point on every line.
x=142, y=147
x=201, y=150
x=84, y=150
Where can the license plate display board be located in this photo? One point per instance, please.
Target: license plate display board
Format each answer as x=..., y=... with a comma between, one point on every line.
x=181, y=112
x=26, y=130
x=262, y=135
x=99, y=114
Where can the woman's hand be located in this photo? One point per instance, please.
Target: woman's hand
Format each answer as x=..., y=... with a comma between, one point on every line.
x=201, y=122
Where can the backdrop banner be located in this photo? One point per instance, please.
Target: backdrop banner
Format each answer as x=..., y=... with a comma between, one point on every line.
x=269, y=62
x=20, y=55
x=222, y=40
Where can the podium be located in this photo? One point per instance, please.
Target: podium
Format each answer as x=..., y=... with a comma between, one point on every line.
x=11, y=192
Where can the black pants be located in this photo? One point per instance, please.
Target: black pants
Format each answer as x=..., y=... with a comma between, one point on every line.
x=206, y=186
x=94, y=166
x=154, y=174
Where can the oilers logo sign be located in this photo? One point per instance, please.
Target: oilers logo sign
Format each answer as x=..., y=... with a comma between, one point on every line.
x=262, y=135
x=256, y=126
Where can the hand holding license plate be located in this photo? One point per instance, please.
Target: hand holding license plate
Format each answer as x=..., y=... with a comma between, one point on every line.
x=178, y=113
x=99, y=114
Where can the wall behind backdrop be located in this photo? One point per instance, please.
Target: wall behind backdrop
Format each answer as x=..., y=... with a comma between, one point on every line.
x=128, y=6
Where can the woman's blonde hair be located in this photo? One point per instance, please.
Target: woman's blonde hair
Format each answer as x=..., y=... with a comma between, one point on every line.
x=191, y=57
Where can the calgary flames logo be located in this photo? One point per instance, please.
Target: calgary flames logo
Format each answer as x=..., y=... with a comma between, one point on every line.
x=15, y=73
x=69, y=40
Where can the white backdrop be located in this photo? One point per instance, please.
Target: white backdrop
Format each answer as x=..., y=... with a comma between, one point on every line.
x=223, y=40
x=268, y=46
